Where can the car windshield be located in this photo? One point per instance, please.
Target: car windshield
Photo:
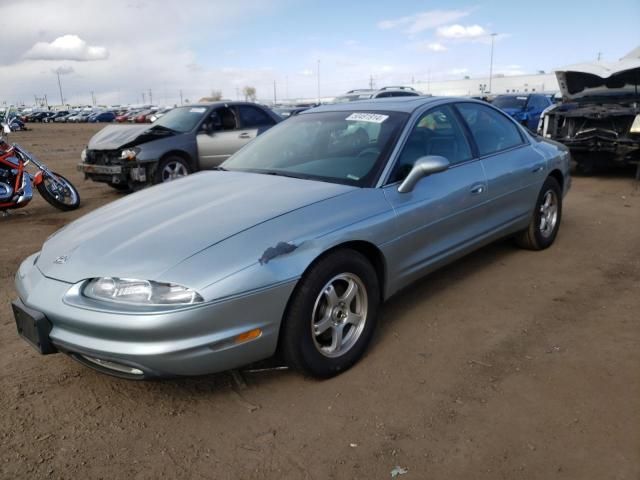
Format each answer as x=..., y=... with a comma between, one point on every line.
x=347, y=147
x=181, y=119
x=510, y=101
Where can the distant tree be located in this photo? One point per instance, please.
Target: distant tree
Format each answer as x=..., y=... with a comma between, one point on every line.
x=249, y=94
x=216, y=95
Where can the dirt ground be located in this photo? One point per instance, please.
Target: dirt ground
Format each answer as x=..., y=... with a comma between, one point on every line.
x=508, y=364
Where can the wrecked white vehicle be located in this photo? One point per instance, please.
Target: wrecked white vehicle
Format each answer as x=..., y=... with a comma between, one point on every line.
x=599, y=119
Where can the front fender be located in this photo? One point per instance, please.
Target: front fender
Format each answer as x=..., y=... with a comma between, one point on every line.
x=155, y=150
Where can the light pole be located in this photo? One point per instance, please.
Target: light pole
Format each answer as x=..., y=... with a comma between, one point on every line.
x=493, y=37
x=318, y=73
x=60, y=88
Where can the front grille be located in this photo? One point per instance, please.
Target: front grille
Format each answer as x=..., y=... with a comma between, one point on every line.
x=103, y=157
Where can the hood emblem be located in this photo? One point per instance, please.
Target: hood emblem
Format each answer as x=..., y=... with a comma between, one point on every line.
x=61, y=260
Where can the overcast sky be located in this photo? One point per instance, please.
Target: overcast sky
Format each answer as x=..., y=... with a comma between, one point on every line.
x=121, y=48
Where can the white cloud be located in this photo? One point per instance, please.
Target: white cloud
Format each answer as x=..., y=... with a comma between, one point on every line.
x=436, y=47
x=306, y=72
x=428, y=46
x=460, y=32
x=458, y=71
x=422, y=21
x=67, y=47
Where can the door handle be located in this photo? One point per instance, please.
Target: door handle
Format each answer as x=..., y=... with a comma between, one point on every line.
x=244, y=135
x=477, y=189
x=537, y=169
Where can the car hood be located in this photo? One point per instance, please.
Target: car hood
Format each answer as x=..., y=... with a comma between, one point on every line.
x=144, y=234
x=113, y=137
x=610, y=80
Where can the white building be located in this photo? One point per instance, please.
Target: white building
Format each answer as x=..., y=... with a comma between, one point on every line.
x=540, y=82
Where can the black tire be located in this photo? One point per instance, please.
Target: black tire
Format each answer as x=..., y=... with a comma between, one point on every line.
x=300, y=345
x=167, y=162
x=70, y=190
x=121, y=187
x=535, y=237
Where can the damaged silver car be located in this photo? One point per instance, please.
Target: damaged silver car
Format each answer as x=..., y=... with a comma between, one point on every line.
x=183, y=141
x=599, y=119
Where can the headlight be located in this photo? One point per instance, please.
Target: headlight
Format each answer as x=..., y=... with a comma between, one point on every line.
x=635, y=126
x=140, y=292
x=83, y=155
x=129, y=153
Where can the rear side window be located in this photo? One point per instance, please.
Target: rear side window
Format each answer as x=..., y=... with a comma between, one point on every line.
x=253, y=117
x=491, y=130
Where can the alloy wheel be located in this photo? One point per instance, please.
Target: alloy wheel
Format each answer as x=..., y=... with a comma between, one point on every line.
x=173, y=170
x=339, y=315
x=548, y=214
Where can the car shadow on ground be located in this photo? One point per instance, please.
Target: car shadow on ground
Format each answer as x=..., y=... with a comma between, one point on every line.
x=608, y=172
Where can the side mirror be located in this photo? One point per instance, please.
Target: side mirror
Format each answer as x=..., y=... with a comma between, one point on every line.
x=423, y=167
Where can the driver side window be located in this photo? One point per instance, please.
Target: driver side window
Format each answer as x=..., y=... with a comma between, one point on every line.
x=436, y=133
x=220, y=119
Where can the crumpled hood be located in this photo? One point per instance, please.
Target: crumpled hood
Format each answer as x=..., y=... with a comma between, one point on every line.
x=614, y=79
x=145, y=234
x=113, y=137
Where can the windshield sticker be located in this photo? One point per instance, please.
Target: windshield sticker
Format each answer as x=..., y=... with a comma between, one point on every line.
x=353, y=177
x=367, y=117
x=197, y=110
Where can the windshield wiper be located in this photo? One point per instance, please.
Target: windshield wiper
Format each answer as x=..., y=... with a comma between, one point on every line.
x=221, y=169
x=161, y=128
x=277, y=173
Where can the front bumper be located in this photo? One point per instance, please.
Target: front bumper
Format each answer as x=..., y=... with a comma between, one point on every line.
x=189, y=341
x=115, y=174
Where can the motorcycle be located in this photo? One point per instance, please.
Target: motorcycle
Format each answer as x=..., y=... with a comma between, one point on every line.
x=16, y=184
x=15, y=123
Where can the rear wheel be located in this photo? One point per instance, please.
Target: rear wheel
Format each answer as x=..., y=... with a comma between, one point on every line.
x=59, y=192
x=332, y=314
x=171, y=168
x=545, y=221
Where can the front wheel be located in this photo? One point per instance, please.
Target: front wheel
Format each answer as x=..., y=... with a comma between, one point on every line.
x=331, y=316
x=59, y=192
x=545, y=221
x=171, y=168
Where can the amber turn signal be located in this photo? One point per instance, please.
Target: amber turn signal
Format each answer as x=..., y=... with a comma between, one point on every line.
x=250, y=335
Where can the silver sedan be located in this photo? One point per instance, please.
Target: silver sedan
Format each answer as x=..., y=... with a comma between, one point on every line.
x=294, y=243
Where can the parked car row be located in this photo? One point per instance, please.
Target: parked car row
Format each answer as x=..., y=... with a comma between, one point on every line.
x=137, y=115
x=145, y=115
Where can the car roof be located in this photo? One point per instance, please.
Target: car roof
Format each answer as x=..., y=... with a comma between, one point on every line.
x=221, y=103
x=389, y=104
